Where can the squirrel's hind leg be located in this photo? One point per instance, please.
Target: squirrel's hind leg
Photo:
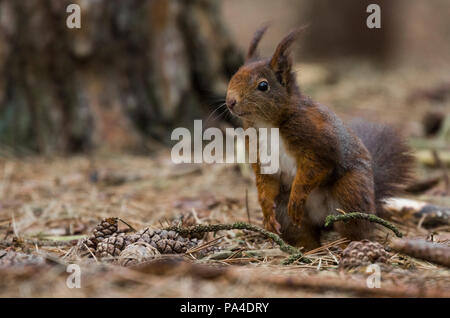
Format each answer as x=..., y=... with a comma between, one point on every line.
x=354, y=192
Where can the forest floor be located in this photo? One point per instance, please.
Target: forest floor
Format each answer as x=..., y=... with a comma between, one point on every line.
x=49, y=205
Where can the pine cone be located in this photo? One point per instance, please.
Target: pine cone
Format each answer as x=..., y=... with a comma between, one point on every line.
x=104, y=229
x=170, y=242
x=115, y=244
x=107, y=241
x=166, y=242
x=136, y=253
x=361, y=253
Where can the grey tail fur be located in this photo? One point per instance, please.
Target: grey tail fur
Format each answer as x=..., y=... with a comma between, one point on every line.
x=392, y=159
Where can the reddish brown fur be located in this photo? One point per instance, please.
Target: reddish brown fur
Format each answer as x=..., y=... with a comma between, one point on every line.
x=268, y=190
x=251, y=53
x=330, y=158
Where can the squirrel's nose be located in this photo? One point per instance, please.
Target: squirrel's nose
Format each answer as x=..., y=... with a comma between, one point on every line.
x=231, y=103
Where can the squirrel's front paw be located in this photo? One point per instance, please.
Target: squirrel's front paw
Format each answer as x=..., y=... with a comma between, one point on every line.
x=272, y=225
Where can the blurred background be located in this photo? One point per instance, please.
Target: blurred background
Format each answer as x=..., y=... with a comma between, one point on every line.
x=136, y=69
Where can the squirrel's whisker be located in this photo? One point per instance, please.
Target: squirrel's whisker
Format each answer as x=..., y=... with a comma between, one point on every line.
x=223, y=112
x=212, y=113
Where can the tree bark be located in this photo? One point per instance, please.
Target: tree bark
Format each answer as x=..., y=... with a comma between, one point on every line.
x=132, y=72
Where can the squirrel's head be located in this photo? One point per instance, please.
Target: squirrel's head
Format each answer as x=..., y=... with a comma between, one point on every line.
x=261, y=87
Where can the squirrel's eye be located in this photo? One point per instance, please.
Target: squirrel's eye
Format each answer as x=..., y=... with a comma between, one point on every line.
x=263, y=86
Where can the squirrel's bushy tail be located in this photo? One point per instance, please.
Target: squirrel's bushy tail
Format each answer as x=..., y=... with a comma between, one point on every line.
x=392, y=160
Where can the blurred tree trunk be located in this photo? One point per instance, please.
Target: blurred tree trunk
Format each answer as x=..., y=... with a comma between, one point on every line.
x=134, y=71
x=338, y=28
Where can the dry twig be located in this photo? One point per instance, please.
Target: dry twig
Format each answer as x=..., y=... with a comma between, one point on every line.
x=429, y=251
x=361, y=216
x=202, y=228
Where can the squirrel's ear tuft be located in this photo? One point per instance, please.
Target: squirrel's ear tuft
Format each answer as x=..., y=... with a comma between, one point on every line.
x=281, y=62
x=251, y=53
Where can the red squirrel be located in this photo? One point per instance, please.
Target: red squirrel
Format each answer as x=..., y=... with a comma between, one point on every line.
x=325, y=164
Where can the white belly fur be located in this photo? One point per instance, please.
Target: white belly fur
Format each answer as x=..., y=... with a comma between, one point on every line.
x=319, y=203
x=287, y=165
